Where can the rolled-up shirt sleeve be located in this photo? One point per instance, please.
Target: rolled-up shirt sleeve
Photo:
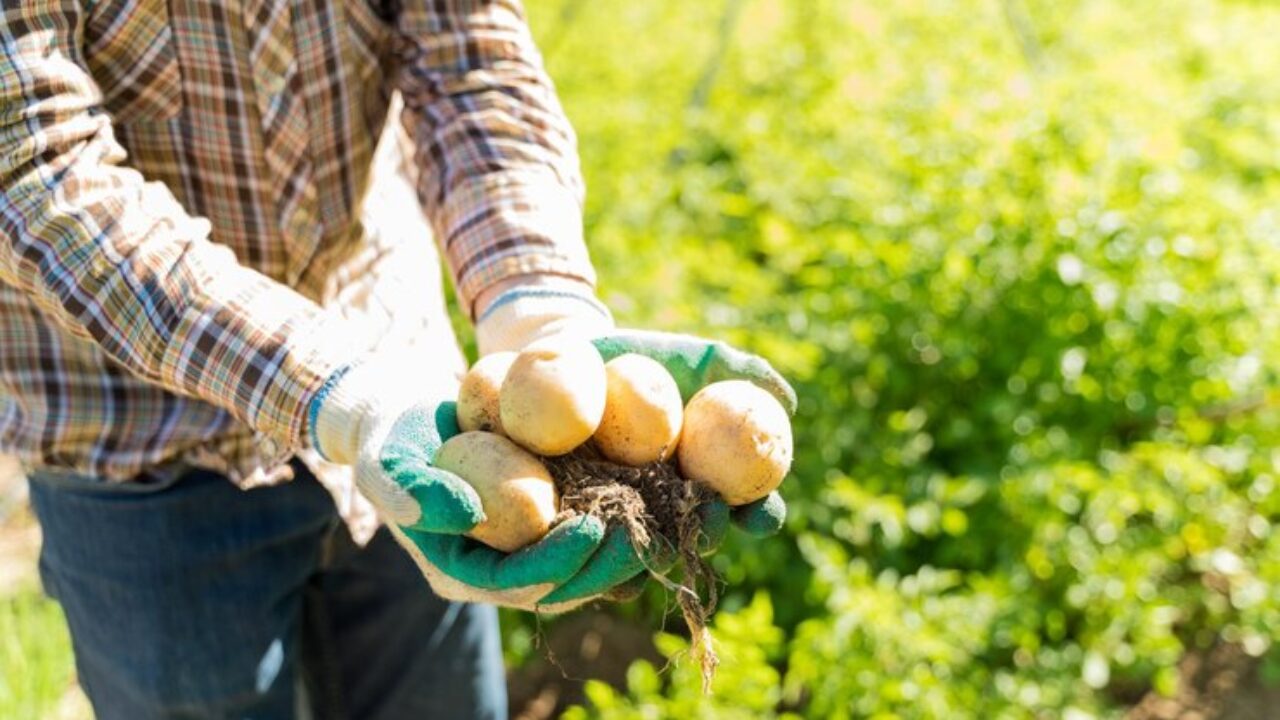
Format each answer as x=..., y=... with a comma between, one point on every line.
x=115, y=259
x=499, y=175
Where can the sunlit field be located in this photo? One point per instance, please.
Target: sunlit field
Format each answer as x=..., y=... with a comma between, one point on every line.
x=1021, y=260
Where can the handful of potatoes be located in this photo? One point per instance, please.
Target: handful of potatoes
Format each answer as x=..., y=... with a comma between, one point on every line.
x=558, y=394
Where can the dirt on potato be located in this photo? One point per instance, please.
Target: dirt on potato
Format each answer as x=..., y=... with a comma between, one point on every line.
x=659, y=510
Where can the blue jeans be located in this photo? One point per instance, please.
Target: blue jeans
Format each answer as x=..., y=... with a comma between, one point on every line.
x=189, y=598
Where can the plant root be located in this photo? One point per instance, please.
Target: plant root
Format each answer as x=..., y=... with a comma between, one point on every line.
x=659, y=510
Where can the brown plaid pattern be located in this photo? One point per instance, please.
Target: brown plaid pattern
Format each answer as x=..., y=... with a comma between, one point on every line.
x=183, y=182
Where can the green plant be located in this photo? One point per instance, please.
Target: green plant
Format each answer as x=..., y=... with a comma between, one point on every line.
x=748, y=643
x=35, y=655
x=1021, y=261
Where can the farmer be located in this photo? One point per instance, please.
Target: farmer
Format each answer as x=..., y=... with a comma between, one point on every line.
x=205, y=292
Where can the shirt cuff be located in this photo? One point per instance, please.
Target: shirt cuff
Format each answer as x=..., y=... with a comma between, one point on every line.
x=263, y=354
x=322, y=348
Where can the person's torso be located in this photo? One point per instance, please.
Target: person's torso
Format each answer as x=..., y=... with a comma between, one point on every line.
x=261, y=116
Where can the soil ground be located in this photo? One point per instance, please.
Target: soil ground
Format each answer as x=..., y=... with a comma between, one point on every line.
x=586, y=644
x=1223, y=683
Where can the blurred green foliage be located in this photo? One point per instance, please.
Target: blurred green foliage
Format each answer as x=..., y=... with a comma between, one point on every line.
x=36, y=667
x=1022, y=261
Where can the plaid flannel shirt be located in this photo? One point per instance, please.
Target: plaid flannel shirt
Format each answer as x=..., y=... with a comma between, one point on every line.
x=183, y=185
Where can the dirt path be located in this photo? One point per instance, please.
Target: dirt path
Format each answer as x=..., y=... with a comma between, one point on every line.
x=1220, y=684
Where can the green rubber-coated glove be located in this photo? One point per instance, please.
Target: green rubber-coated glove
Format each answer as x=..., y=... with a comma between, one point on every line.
x=389, y=425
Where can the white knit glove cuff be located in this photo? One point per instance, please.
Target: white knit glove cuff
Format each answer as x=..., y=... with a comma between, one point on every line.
x=353, y=414
x=347, y=410
x=524, y=315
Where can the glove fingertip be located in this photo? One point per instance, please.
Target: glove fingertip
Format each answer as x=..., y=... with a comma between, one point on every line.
x=447, y=419
x=787, y=396
x=763, y=517
x=764, y=376
x=449, y=504
x=777, y=386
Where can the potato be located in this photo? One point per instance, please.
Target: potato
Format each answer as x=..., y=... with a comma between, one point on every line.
x=553, y=397
x=516, y=491
x=478, y=407
x=736, y=440
x=642, y=411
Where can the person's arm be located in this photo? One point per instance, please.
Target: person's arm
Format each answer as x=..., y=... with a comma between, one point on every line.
x=499, y=173
x=500, y=178
x=115, y=259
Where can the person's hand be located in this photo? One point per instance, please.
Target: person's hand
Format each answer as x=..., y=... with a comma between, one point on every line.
x=389, y=424
x=523, y=314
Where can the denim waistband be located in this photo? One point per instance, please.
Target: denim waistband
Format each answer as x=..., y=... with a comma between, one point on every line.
x=153, y=480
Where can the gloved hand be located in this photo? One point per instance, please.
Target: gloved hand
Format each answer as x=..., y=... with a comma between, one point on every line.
x=524, y=314
x=386, y=421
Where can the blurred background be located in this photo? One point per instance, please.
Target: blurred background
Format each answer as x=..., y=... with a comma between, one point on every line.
x=1021, y=259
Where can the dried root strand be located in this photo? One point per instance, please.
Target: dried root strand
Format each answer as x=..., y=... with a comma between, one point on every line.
x=697, y=571
x=654, y=504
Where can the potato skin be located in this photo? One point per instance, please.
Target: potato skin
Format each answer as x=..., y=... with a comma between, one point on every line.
x=642, y=412
x=478, y=406
x=516, y=491
x=736, y=440
x=553, y=397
